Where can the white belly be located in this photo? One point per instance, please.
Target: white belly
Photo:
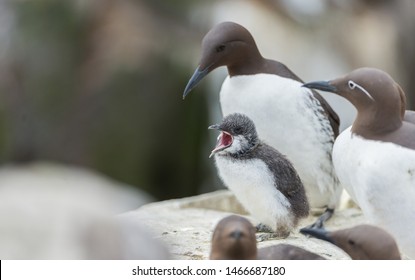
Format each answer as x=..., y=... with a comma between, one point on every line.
x=342, y=159
x=253, y=185
x=281, y=111
x=380, y=177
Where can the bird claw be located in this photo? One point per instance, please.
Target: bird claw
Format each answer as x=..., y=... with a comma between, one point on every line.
x=265, y=232
x=262, y=237
x=270, y=235
x=317, y=224
x=263, y=228
x=322, y=219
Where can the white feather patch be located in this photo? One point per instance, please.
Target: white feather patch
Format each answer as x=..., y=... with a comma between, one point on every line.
x=253, y=185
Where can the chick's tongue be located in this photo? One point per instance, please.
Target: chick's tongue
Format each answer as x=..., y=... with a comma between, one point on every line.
x=224, y=140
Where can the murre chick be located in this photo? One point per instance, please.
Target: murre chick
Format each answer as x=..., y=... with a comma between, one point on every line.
x=262, y=179
x=375, y=157
x=362, y=242
x=295, y=120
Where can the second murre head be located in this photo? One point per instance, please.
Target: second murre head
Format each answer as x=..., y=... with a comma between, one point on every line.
x=238, y=135
x=372, y=91
x=380, y=104
x=361, y=242
x=364, y=87
x=233, y=239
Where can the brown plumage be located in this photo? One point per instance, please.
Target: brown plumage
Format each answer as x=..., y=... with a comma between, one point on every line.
x=233, y=239
x=286, y=252
x=362, y=242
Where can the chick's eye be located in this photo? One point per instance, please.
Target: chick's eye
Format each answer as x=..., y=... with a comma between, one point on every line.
x=351, y=84
x=351, y=242
x=220, y=48
x=238, y=130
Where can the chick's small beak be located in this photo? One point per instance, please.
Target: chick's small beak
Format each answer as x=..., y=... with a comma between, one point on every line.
x=214, y=126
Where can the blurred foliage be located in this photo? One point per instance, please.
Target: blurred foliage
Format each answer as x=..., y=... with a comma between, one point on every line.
x=147, y=137
x=66, y=100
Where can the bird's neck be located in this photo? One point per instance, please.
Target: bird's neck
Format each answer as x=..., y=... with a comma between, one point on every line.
x=246, y=150
x=251, y=64
x=370, y=125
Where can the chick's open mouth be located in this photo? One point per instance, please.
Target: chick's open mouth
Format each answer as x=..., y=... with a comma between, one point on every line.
x=224, y=141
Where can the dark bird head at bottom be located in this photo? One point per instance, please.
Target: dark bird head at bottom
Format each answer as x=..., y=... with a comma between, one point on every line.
x=233, y=239
x=361, y=242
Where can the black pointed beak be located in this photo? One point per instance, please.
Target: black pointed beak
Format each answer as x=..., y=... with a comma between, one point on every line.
x=197, y=76
x=236, y=234
x=319, y=233
x=321, y=85
x=214, y=126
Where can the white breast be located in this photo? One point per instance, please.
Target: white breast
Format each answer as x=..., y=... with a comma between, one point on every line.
x=380, y=177
x=342, y=156
x=253, y=185
x=289, y=120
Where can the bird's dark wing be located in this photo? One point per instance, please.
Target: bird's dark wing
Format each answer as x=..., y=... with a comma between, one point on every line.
x=287, y=180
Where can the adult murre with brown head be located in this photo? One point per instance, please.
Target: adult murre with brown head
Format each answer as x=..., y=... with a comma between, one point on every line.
x=375, y=158
x=296, y=121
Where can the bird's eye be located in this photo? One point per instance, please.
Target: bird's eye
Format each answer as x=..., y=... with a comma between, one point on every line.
x=238, y=130
x=220, y=48
x=351, y=84
x=351, y=242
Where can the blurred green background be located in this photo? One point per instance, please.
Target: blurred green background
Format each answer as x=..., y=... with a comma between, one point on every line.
x=98, y=83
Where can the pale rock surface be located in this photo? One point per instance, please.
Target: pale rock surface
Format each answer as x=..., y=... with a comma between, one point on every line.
x=186, y=225
x=50, y=211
